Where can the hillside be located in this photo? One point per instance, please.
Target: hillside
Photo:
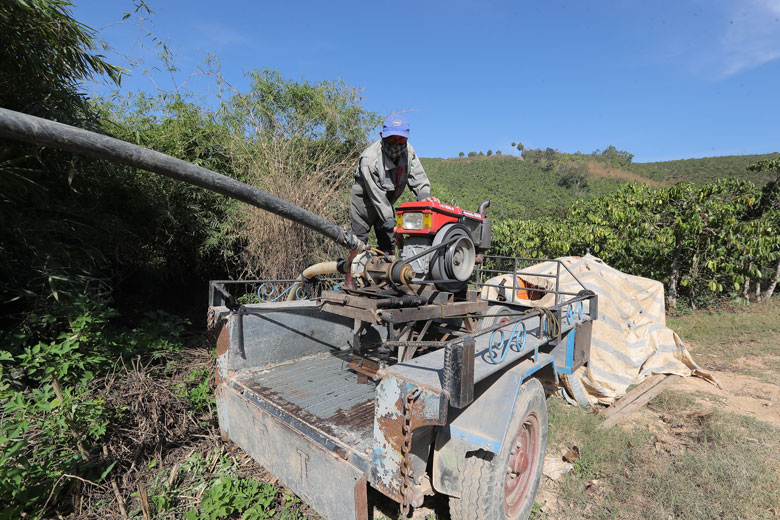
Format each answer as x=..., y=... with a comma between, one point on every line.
x=526, y=189
x=703, y=170
x=516, y=188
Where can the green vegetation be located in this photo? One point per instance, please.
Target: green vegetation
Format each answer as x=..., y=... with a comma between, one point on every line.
x=701, y=241
x=57, y=411
x=705, y=170
x=546, y=182
x=730, y=332
x=515, y=188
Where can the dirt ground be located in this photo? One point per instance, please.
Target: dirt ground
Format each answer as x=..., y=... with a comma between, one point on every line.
x=693, y=426
x=740, y=393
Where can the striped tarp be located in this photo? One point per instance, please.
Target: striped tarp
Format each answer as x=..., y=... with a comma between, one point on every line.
x=630, y=340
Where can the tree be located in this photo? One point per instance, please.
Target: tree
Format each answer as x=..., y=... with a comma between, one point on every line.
x=573, y=178
x=490, y=152
x=49, y=239
x=481, y=153
x=550, y=157
x=49, y=254
x=498, y=152
x=460, y=154
x=514, y=144
x=769, y=211
x=472, y=154
x=614, y=157
x=520, y=147
x=44, y=54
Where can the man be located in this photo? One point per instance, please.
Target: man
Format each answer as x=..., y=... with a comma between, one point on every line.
x=384, y=170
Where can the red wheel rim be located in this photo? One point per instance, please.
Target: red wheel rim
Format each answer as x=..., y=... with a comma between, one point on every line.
x=521, y=469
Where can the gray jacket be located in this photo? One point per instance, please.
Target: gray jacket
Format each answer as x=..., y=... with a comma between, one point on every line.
x=378, y=175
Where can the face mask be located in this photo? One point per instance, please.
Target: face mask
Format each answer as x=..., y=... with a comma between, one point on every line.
x=393, y=151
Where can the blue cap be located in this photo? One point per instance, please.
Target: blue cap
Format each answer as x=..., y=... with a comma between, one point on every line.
x=395, y=125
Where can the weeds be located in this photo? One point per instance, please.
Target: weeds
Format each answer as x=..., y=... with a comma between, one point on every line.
x=715, y=465
x=688, y=459
x=62, y=405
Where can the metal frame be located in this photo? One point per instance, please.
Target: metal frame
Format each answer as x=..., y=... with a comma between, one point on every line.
x=266, y=290
x=441, y=381
x=479, y=272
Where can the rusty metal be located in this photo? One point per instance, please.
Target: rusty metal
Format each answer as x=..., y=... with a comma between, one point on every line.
x=365, y=367
x=298, y=368
x=223, y=344
x=333, y=486
x=369, y=310
x=406, y=470
x=418, y=344
x=523, y=460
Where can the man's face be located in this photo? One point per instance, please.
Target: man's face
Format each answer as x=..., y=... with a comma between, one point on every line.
x=394, y=139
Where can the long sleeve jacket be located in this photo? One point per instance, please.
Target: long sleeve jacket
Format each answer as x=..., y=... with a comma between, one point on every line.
x=382, y=181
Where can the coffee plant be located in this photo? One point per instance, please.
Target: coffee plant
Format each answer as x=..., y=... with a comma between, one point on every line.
x=702, y=241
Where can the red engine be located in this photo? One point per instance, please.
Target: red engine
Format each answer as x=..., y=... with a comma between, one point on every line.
x=423, y=225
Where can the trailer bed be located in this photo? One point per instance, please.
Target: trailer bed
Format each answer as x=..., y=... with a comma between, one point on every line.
x=319, y=393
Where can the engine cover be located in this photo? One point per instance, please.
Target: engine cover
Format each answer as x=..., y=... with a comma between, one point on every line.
x=425, y=219
x=421, y=225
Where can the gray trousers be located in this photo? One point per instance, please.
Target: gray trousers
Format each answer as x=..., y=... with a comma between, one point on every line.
x=363, y=217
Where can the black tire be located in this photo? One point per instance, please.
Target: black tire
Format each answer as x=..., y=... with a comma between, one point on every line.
x=486, y=492
x=494, y=317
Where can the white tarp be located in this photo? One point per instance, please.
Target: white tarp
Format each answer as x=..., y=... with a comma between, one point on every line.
x=630, y=340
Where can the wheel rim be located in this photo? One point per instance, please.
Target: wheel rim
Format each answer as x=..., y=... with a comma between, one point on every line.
x=521, y=468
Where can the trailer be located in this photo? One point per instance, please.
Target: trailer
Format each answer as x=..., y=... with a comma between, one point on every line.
x=463, y=415
x=404, y=377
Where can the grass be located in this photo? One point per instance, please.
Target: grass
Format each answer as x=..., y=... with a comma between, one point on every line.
x=713, y=465
x=730, y=332
x=688, y=459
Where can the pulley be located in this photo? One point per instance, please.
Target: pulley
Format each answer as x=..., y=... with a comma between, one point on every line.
x=455, y=262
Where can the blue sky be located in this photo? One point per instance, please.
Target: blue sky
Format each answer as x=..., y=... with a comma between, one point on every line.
x=661, y=79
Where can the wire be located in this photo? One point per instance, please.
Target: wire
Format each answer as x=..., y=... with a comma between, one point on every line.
x=553, y=326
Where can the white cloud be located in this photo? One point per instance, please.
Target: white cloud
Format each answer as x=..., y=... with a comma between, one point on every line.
x=752, y=37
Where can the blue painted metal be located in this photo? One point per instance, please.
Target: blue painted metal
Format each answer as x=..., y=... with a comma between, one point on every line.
x=516, y=342
x=574, y=310
x=565, y=367
x=267, y=290
x=429, y=409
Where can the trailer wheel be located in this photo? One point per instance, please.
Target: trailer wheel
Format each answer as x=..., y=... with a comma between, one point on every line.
x=503, y=487
x=496, y=315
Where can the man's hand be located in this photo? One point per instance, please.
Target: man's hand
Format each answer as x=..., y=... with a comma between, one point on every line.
x=431, y=199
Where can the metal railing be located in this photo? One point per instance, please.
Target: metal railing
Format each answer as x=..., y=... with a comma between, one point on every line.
x=267, y=291
x=458, y=369
x=517, y=267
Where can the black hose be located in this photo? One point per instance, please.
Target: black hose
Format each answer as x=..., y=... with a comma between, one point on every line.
x=31, y=129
